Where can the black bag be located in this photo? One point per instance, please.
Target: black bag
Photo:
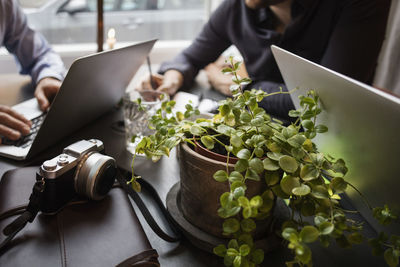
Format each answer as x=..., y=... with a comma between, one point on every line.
x=95, y=233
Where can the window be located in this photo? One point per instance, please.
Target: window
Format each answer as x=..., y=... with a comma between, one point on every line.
x=74, y=21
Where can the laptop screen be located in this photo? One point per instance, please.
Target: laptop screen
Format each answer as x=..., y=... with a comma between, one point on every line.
x=363, y=125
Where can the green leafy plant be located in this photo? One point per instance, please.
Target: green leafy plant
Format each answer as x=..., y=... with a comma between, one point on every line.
x=284, y=159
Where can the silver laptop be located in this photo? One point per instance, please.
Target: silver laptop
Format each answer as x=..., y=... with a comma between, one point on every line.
x=364, y=128
x=92, y=86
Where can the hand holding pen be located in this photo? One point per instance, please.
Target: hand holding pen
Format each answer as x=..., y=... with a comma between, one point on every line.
x=170, y=82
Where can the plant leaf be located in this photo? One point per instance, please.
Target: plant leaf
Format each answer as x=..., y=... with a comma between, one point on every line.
x=321, y=128
x=290, y=234
x=296, y=140
x=235, y=176
x=230, y=120
x=220, y=176
x=196, y=130
x=244, y=154
x=259, y=152
x=248, y=225
x=355, y=238
x=288, y=183
x=256, y=201
x=302, y=190
x=244, y=250
x=231, y=226
x=224, y=129
x=245, y=117
x=241, y=165
x=303, y=252
x=257, y=256
x=309, y=234
x=270, y=165
x=326, y=228
x=225, y=199
x=236, y=141
x=220, y=250
x=238, y=192
x=308, y=172
x=252, y=175
x=319, y=191
x=237, y=262
x=271, y=178
x=391, y=259
x=257, y=165
x=207, y=141
x=288, y=164
x=308, y=124
x=338, y=184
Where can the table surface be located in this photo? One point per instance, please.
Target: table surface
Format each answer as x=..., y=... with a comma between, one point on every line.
x=163, y=175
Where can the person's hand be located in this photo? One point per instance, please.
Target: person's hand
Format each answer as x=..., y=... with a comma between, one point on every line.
x=46, y=90
x=218, y=80
x=13, y=124
x=170, y=82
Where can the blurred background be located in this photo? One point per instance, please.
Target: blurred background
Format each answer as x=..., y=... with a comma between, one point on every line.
x=74, y=21
x=70, y=26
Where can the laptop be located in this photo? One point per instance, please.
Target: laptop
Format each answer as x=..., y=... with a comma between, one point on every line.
x=92, y=86
x=364, y=128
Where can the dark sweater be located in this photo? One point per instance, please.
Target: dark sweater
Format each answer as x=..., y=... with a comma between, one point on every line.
x=343, y=35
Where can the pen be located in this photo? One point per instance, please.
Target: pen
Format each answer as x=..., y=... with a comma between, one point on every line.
x=152, y=82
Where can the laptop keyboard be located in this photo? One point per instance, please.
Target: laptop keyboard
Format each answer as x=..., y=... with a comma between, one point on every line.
x=26, y=140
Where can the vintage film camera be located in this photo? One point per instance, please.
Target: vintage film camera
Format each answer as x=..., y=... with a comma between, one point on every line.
x=82, y=170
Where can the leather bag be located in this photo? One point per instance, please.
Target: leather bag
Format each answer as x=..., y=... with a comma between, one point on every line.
x=93, y=233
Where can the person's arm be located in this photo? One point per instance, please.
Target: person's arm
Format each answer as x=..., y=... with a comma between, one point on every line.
x=34, y=55
x=206, y=48
x=357, y=38
x=277, y=106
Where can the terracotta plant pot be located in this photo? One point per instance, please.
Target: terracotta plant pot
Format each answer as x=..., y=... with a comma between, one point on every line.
x=212, y=155
x=200, y=193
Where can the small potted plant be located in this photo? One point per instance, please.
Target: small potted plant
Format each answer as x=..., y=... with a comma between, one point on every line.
x=271, y=161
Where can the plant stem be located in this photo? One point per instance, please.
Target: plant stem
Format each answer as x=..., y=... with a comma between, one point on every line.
x=331, y=208
x=227, y=163
x=362, y=196
x=216, y=139
x=349, y=211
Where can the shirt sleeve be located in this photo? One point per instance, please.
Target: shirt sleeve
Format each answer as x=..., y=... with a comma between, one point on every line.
x=278, y=105
x=206, y=48
x=34, y=55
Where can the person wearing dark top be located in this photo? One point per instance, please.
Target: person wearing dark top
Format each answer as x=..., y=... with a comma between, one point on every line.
x=343, y=35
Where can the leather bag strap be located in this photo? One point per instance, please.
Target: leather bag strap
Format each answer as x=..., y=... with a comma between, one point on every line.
x=28, y=214
x=123, y=181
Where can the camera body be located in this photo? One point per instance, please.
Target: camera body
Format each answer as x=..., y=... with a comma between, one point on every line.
x=81, y=170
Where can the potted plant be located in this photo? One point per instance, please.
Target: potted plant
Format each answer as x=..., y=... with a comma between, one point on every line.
x=282, y=162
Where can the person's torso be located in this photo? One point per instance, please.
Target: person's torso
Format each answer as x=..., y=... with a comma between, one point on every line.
x=307, y=35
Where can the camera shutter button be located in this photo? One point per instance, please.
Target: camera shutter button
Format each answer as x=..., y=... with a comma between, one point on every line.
x=49, y=165
x=62, y=160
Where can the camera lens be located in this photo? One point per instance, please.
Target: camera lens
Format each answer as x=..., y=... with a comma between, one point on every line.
x=105, y=180
x=95, y=175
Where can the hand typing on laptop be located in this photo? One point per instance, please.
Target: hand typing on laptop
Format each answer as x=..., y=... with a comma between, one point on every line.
x=14, y=126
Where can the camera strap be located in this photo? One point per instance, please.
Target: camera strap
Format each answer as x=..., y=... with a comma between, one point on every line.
x=28, y=214
x=122, y=180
